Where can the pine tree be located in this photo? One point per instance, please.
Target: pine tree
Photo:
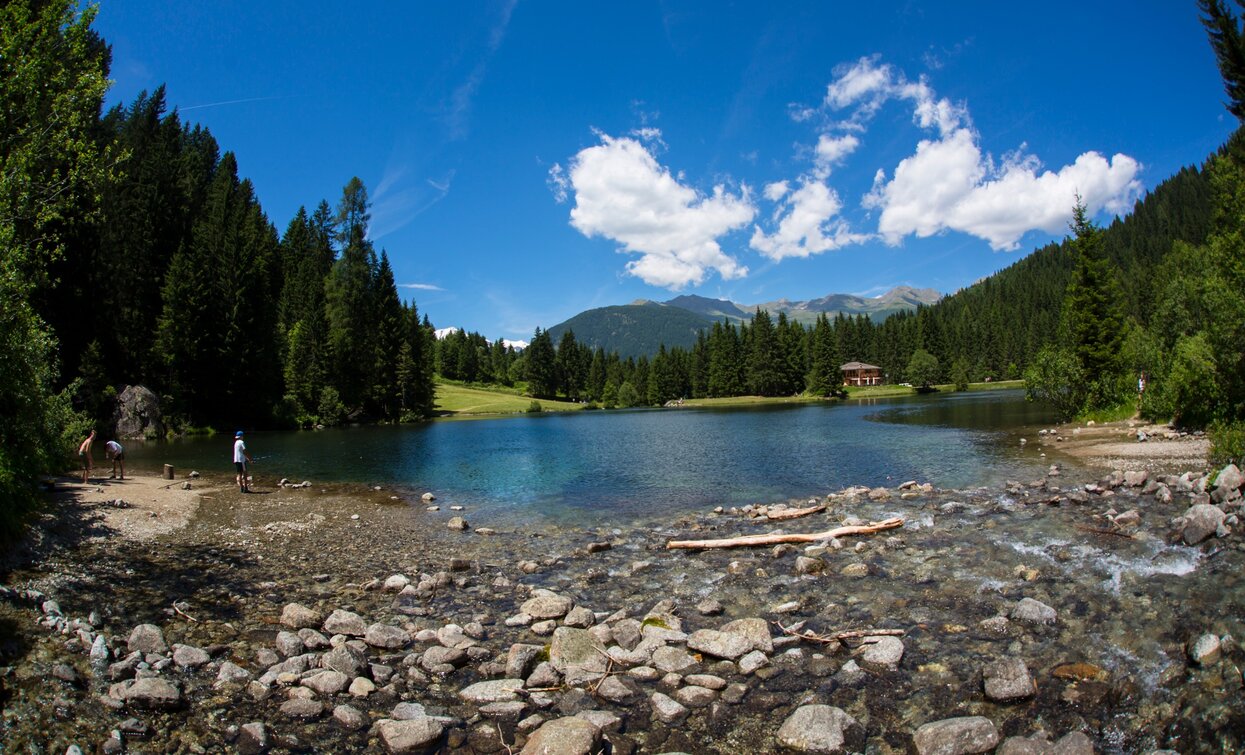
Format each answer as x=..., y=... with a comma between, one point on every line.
x=386, y=393
x=349, y=300
x=1091, y=304
x=541, y=366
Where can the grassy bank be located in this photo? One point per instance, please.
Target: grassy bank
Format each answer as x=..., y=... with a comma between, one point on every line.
x=458, y=400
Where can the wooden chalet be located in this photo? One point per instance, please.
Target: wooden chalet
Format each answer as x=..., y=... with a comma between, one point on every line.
x=859, y=373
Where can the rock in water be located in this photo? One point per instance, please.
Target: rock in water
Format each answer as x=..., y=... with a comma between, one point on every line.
x=821, y=729
x=416, y=735
x=956, y=736
x=138, y=413
x=565, y=736
x=1008, y=680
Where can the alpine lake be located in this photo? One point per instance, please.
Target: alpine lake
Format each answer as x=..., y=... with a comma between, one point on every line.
x=583, y=505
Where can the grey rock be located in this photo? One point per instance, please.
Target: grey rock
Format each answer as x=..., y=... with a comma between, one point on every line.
x=345, y=622
x=708, y=681
x=349, y=718
x=543, y=676
x=673, y=660
x=882, y=652
x=407, y=711
x=147, y=638
x=346, y=659
x=505, y=711
x=695, y=697
x=417, y=735
x=755, y=629
x=386, y=637
x=956, y=736
x=580, y=617
x=232, y=673
x=99, y=655
x=1033, y=612
x=1008, y=680
x=753, y=661
x=327, y=682
x=302, y=709
x=288, y=644
x=313, y=640
x=614, y=690
x=441, y=656
x=361, y=686
x=577, y=655
x=252, y=738
x=520, y=659
x=152, y=693
x=547, y=605
x=457, y=523
x=806, y=565
x=564, y=736
x=719, y=644
x=493, y=691
x=187, y=656
x=138, y=413
x=299, y=616
x=1201, y=521
x=453, y=636
x=1229, y=478
x=821, y=729
x=1205, y=650
x=709, y=607
x=666, y=709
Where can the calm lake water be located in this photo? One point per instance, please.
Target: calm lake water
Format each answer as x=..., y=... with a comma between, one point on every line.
x=601, y=465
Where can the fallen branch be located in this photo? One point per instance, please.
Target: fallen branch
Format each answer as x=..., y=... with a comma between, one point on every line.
x=735, y=542
x=779, y=516
x=183, y=613
x=838, y=637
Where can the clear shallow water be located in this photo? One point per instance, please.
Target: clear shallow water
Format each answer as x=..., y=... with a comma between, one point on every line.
x=601, y=465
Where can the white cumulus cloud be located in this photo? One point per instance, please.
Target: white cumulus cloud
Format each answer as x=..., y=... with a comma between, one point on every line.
x=950, y=184
x=806, y=223
x=622, y=193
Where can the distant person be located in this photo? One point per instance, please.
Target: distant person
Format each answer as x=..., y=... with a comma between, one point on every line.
x=115, y=451
x=240, y=458
x=84, y=451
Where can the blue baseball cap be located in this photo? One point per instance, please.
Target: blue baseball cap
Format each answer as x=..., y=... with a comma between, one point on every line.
x=238, y=434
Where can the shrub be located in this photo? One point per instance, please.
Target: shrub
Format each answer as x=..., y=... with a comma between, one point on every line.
x=535, y=407
x=1192, y=382
x=1227, y=443
x=1055, y=377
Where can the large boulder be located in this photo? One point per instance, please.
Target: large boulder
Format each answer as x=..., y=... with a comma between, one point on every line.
x=567, y=736
x=577, y=655
x=1201, y=521
x=956, y=736
x=138, y=414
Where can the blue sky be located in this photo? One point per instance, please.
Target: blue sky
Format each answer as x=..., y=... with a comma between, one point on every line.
x=529, y=160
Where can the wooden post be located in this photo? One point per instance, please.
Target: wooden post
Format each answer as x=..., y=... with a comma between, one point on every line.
x=168, y=471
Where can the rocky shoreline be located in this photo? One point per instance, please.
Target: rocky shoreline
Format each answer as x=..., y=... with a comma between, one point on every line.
x=1046, y=616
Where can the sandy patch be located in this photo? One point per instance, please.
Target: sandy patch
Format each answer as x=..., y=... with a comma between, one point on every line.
x=1115, y=445
x=136, y=508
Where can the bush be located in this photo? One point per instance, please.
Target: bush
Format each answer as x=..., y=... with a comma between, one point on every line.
x=1192, y=383
x=535, y=407
x=1055, y=378
x=1227, y=443
x=959, y=374
x=332, y=411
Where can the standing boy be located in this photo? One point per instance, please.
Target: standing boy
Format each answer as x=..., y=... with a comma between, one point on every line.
x=84, y=451
x=240, y=458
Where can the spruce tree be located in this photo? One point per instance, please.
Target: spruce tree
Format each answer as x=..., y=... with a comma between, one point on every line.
x=1091, y=304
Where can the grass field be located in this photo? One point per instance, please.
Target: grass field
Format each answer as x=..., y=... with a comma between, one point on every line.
x=879, y=391
x=460, y=400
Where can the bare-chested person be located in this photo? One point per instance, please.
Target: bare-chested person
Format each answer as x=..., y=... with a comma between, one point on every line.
x=84, y=451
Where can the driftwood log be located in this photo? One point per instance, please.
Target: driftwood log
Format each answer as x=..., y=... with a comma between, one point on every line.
x=778, y=516
x=810, y=537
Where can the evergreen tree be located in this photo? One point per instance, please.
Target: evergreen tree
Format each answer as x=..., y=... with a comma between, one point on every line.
x=765, y=378
x=541, y=365
x=1091, y=306
x=350, y=307
x=386, y=390
x=825, y=378
x=570, y=375
x=1228, y=42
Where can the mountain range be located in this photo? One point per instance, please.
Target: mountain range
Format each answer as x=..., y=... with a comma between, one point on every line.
x=641, y=327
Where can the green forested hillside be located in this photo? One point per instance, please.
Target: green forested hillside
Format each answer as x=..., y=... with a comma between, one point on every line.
x=634, y=330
